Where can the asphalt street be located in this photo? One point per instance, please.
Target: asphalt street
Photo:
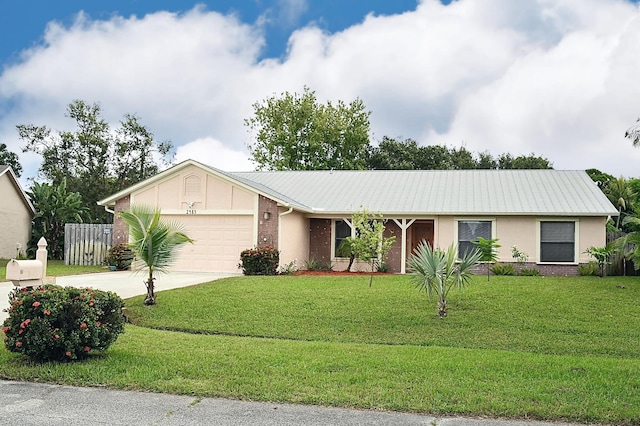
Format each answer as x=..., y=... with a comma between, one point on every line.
x=26, y=404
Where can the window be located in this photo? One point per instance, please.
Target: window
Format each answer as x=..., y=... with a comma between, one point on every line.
x=469, y=231
x=343, y=230
x=557, y=241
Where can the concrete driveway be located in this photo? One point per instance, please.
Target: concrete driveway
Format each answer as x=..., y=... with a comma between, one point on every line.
x=124, y=283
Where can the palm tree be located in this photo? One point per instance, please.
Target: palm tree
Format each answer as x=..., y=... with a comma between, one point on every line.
x=620, y=193
x=629, y=245
x=153, y=241
x=437, y=271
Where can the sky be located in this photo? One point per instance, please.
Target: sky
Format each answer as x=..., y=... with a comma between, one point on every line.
x=557, y=78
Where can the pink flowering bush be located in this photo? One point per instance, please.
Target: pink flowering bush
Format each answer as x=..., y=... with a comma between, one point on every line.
x=51, y=323
x=259, y=261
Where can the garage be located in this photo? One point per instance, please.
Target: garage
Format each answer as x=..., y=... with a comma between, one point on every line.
x=219, y=239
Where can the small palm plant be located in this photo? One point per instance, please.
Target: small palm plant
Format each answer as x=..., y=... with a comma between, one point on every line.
x=153, y=241
x=437, y=271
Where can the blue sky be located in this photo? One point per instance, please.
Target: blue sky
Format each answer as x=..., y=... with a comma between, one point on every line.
x=558, y=79
x=22, y=22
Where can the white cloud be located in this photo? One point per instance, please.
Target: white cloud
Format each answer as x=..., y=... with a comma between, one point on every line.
x=214, y=153
x=555, y=78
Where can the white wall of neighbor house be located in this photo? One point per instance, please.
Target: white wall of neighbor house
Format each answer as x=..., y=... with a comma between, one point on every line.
x=592, y=232
x=15, y=220
x=293, y=240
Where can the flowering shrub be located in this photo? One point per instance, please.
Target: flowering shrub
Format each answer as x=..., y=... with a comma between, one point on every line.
x=62, y=324
x=119, y=256
x=260, y=261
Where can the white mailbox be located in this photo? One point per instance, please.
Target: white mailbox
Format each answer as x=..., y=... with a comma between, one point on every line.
x=25, y=273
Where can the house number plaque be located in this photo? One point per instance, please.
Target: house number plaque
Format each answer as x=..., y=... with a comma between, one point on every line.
x=190, y=209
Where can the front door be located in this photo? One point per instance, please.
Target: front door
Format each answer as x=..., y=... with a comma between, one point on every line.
x=420, y=230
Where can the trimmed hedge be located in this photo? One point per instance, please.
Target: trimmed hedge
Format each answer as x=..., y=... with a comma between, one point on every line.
x=51, y=323
x=260, y=261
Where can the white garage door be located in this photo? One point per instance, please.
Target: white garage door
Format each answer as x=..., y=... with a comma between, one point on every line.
x=218, y=242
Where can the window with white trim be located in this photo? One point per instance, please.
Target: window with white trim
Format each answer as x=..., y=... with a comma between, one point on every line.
x=557, y=241
x=469, y=231
x=342, y=231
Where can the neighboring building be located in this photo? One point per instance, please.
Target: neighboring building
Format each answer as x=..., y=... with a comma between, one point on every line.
x=552, y=215
x=16, y=213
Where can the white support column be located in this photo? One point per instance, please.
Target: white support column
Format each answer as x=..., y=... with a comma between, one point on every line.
x=404, y=225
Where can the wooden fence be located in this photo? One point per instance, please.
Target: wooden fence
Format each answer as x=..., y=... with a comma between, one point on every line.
x=618, y=265
x=86, y=244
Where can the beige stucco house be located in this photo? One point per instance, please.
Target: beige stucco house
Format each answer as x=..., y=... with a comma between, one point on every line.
x=16, y=213
x=551, y=215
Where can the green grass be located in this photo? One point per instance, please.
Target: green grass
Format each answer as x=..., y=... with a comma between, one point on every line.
x=56, y=268
x=523, y=347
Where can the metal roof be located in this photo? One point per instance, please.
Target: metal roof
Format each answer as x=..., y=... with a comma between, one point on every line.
x=436, y=192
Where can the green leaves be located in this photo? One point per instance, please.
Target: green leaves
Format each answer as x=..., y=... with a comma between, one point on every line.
x=95, y=159
x=153, y=240
x=369, y=244
x=295, y=132
x=436, y=271
x=55, y=206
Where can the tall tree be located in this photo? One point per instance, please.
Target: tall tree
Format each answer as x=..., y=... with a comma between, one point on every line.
x=94, y=159
x=55, y=205
x=295, y=132
x=8, y=158
x=154, y=241
x=531, y=161
x=391, y=154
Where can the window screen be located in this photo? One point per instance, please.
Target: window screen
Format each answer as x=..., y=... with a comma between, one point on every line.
x=469, y=231
x=557, y=241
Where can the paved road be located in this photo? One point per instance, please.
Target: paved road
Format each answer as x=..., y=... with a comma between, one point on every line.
x=25, y=404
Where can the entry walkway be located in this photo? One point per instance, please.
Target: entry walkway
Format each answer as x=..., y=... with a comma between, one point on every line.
x=124, y=283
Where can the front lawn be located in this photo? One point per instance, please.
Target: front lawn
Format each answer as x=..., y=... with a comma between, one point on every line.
x=524, y=347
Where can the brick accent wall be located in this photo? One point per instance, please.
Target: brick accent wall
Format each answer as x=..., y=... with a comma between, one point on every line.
x=120, y=229
x=320, y=239
x=394, y=257
x=267, y=228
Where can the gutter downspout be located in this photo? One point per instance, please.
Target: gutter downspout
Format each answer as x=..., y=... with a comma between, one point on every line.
x=280, y=225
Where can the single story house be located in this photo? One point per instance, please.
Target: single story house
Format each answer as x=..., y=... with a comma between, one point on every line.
x=16, y=214
x=551, y=215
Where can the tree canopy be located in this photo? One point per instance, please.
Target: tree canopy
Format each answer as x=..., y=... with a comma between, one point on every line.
x=96, y=160
x=8, y=158
x=392, y=154
x=295, y=132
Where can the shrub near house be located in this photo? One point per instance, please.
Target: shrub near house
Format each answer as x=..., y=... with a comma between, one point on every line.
x=52, y=323
x=259, y=261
